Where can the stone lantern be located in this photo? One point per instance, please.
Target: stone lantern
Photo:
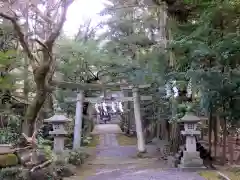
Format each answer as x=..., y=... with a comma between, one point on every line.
x=191, y=157
x=59, y=133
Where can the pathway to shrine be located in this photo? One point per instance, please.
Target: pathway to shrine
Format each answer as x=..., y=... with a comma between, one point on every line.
x=114, y=162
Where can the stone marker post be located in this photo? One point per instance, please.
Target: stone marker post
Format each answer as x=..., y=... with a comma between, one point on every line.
x=191, y=157
x=59, y=133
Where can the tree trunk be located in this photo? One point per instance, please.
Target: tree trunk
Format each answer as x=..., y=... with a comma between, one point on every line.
x=24, y=125
x=175, y=137
x=210, y=130
x=25, y=90
x=40, y=76
x=215, y=134
x=32, y=112
x=224, y=141
x=158, y=130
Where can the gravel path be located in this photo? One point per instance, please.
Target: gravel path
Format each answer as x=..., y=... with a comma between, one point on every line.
x=147, y=174
x=117, y=163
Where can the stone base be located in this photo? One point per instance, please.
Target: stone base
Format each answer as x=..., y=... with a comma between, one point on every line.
x=191, y=160
x=141, y=154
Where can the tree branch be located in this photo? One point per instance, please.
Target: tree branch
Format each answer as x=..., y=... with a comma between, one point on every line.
x=41, y=15
x=49, y=77
x=53, y=36
x=21, y=38
x=40, y=43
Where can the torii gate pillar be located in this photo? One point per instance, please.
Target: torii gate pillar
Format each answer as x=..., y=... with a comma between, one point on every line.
x=138, y=121
x=78, y=120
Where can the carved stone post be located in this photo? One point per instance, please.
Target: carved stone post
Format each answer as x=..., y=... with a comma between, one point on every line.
x=138, y=121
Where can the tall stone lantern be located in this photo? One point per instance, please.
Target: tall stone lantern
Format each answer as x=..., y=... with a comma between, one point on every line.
x=59, y=133
x=191, y=157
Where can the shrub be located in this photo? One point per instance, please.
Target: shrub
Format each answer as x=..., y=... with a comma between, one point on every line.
x=11, y=132
x=77, y=157
x=13, y=173
x=62, y=168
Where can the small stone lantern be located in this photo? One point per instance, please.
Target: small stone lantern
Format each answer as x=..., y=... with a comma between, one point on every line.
x=59, y=133
x=191, y=157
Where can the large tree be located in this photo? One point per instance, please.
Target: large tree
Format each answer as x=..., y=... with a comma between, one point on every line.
x=136, y=34
x=46, y=19
x=206, y=47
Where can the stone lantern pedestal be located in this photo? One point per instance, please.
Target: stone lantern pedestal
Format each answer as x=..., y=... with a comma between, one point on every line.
x=191, y=157
x=59, y=133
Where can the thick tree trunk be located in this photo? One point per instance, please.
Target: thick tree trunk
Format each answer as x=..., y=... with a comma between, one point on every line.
x=215, y=135
x=33, y=109
x=32, y=112
x=175, y=138
x=210, y=131
x=224, y=148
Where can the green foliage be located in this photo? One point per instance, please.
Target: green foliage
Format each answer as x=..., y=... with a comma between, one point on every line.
x=13, y=173
x=77, y=157
x=7, y=63
x=11, y=132
x=76, y=59
x=131, y=37
x=46, y=146
x=7, y=38
x=61, y=168
x=207, y=51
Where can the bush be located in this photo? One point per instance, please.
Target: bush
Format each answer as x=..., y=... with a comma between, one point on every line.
x=45, y=146
x=55, y=171
x=12, y=131
x=63, y=169
x=77, y=157
x=86, y=141
x=42, y=174
x=13, y=173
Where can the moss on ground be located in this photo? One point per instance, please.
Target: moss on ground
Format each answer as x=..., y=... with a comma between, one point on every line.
x=94, y=142
x=232, y=173
x=7, y=160
x=124, y=140
x=209, y=175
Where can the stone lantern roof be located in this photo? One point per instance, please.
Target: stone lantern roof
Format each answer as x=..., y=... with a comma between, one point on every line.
x=58, y=117
x=190, y=118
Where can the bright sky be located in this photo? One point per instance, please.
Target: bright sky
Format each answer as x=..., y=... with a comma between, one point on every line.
x=80, y=11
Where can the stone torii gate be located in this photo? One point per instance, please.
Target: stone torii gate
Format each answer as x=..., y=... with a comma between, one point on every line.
x=136, y=98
